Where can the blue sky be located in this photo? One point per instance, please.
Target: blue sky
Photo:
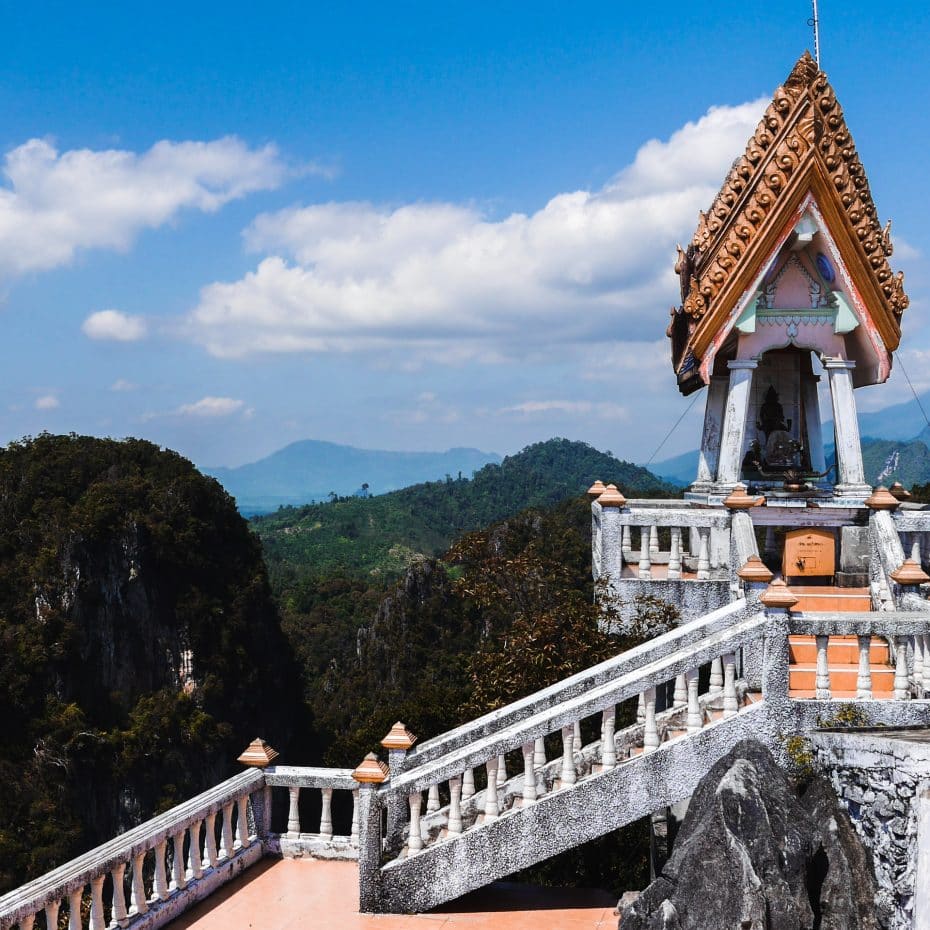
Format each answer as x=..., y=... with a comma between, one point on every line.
x=405, y=226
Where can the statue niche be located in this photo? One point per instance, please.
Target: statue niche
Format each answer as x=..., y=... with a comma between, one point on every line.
x=778, y=451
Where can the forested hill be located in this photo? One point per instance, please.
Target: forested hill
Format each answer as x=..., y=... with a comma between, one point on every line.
x=140, y=648
x=384, y=534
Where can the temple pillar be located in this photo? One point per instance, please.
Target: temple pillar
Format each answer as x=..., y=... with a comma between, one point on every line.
x=811, y=401
x=734, y=421
x=713, y=428
x=850, y=474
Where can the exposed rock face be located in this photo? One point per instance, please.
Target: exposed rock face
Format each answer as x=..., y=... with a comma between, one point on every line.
x=752, y=855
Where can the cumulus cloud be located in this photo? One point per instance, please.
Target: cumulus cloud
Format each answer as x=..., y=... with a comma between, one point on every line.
x=212, y=407
x=55, y=203
x=47, y=402
x=114, y=326
x=588, y=265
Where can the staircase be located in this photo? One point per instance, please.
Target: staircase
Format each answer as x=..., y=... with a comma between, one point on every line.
x=843, y=653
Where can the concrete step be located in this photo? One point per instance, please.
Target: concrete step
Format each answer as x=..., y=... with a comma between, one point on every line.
x=842, y=678
x=841, y=650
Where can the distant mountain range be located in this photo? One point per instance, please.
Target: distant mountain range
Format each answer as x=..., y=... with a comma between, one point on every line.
x=895, y=447
x=313, y=470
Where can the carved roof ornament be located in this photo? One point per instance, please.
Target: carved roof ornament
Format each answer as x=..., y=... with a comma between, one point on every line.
x=611, y=497
x=596, y=489
x=801, y=146
x=371, y=771
x=398, y=737
x=258, y=754
x=909, y=572
x=778, y=596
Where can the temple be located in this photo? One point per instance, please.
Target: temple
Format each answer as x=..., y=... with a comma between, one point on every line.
x=793, y=595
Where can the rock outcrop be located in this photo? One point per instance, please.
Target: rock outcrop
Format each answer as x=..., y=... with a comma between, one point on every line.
x=753, y=855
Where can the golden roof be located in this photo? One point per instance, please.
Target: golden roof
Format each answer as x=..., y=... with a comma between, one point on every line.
x=802, y=145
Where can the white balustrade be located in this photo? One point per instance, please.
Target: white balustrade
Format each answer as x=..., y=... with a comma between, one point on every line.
x=645, y=562
x=326, y=813
x=822, y=677
x=529, y=775
x=695, y=719
x=194, y=861
x=608, y=746
x=415, y=838
x=674, y=555
x=242, y=822
x=455, y=805
x=864, y=678
x=501, y=770
x=568, y=775
x=161, y=879
x=96, y=903
x=681, y=690
x=432, y=800
x=178, y=881
x=703, y=568
x=74, y=908
x=653, y=540
x=353, y=836
x=923, y=686
x=491, y=808
x=213, y=855
x=716, y=676
x=651, y=731
x=918, y=645
x=730, y=700
x=902, y=690
x=138, y=902
x=120, y=916
x=468, y=784
x=539, y=752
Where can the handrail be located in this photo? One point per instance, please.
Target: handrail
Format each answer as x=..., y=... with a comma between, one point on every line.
x=597, y=699
x=632, y=516
x=77, y=873
x=896, y=623
x=302, y=776
x=689, y=633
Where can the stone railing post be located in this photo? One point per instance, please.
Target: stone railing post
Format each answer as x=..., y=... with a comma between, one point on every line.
x=777, y=601
x=398, y=742
x=610, y=502
x=258, y=754
x=369, y=775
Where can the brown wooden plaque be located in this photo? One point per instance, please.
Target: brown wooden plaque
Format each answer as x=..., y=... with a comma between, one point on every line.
x=809, y=553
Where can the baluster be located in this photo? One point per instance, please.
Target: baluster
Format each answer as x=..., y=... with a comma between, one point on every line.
x=227, y=834
x=138, y=902
x=529, y=775
x=695, y=719
x=730, y=702
x=194, y=860
x=97, y=921
x=864, y=679
x=51, y=914
x=925, y=685
x=577, y=735
x=213, y=856
x=822, y=678
x=160, y=888
x=703, y=570
x=501, y=771
x=919, y=664
x=74, y=909
x=293, y=812
x=326, y=813
x=674, y=555
x=468, y=784
x=491, y=808
x=354, y=835
x=645, y=564
x=568, y=776
x=915, y=548
x=177, y=863
x=242, y=823
x=627, y=544
x=120, y=917
x=716, y=676
x=608, y=746
x=651, y=732
x=27, y=922
x=901, y=690
x=681, y=690
x=414, y=838
x=455, y=805
x=653, y=540
x=640, y=708
x=539, y=752
x=432, y=799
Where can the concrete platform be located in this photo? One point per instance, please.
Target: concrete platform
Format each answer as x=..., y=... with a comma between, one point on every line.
x=305, y=894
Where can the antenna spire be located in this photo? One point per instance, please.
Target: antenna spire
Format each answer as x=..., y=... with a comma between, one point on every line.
x=814, y=21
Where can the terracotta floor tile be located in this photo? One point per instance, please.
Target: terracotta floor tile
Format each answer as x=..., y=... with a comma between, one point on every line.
x=294, y=894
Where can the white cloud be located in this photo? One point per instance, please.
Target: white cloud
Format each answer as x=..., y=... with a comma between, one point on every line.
x=121, y=386
x=47, y=402
x=55, y=203
x=115, y=326
x=599, y=409
x=439, y=277
x=211, y=407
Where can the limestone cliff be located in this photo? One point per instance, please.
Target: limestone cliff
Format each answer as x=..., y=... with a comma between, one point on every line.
x=752, y=854
x=139, y=645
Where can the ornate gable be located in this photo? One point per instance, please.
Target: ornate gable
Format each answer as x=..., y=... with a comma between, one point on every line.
x=801, y=148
